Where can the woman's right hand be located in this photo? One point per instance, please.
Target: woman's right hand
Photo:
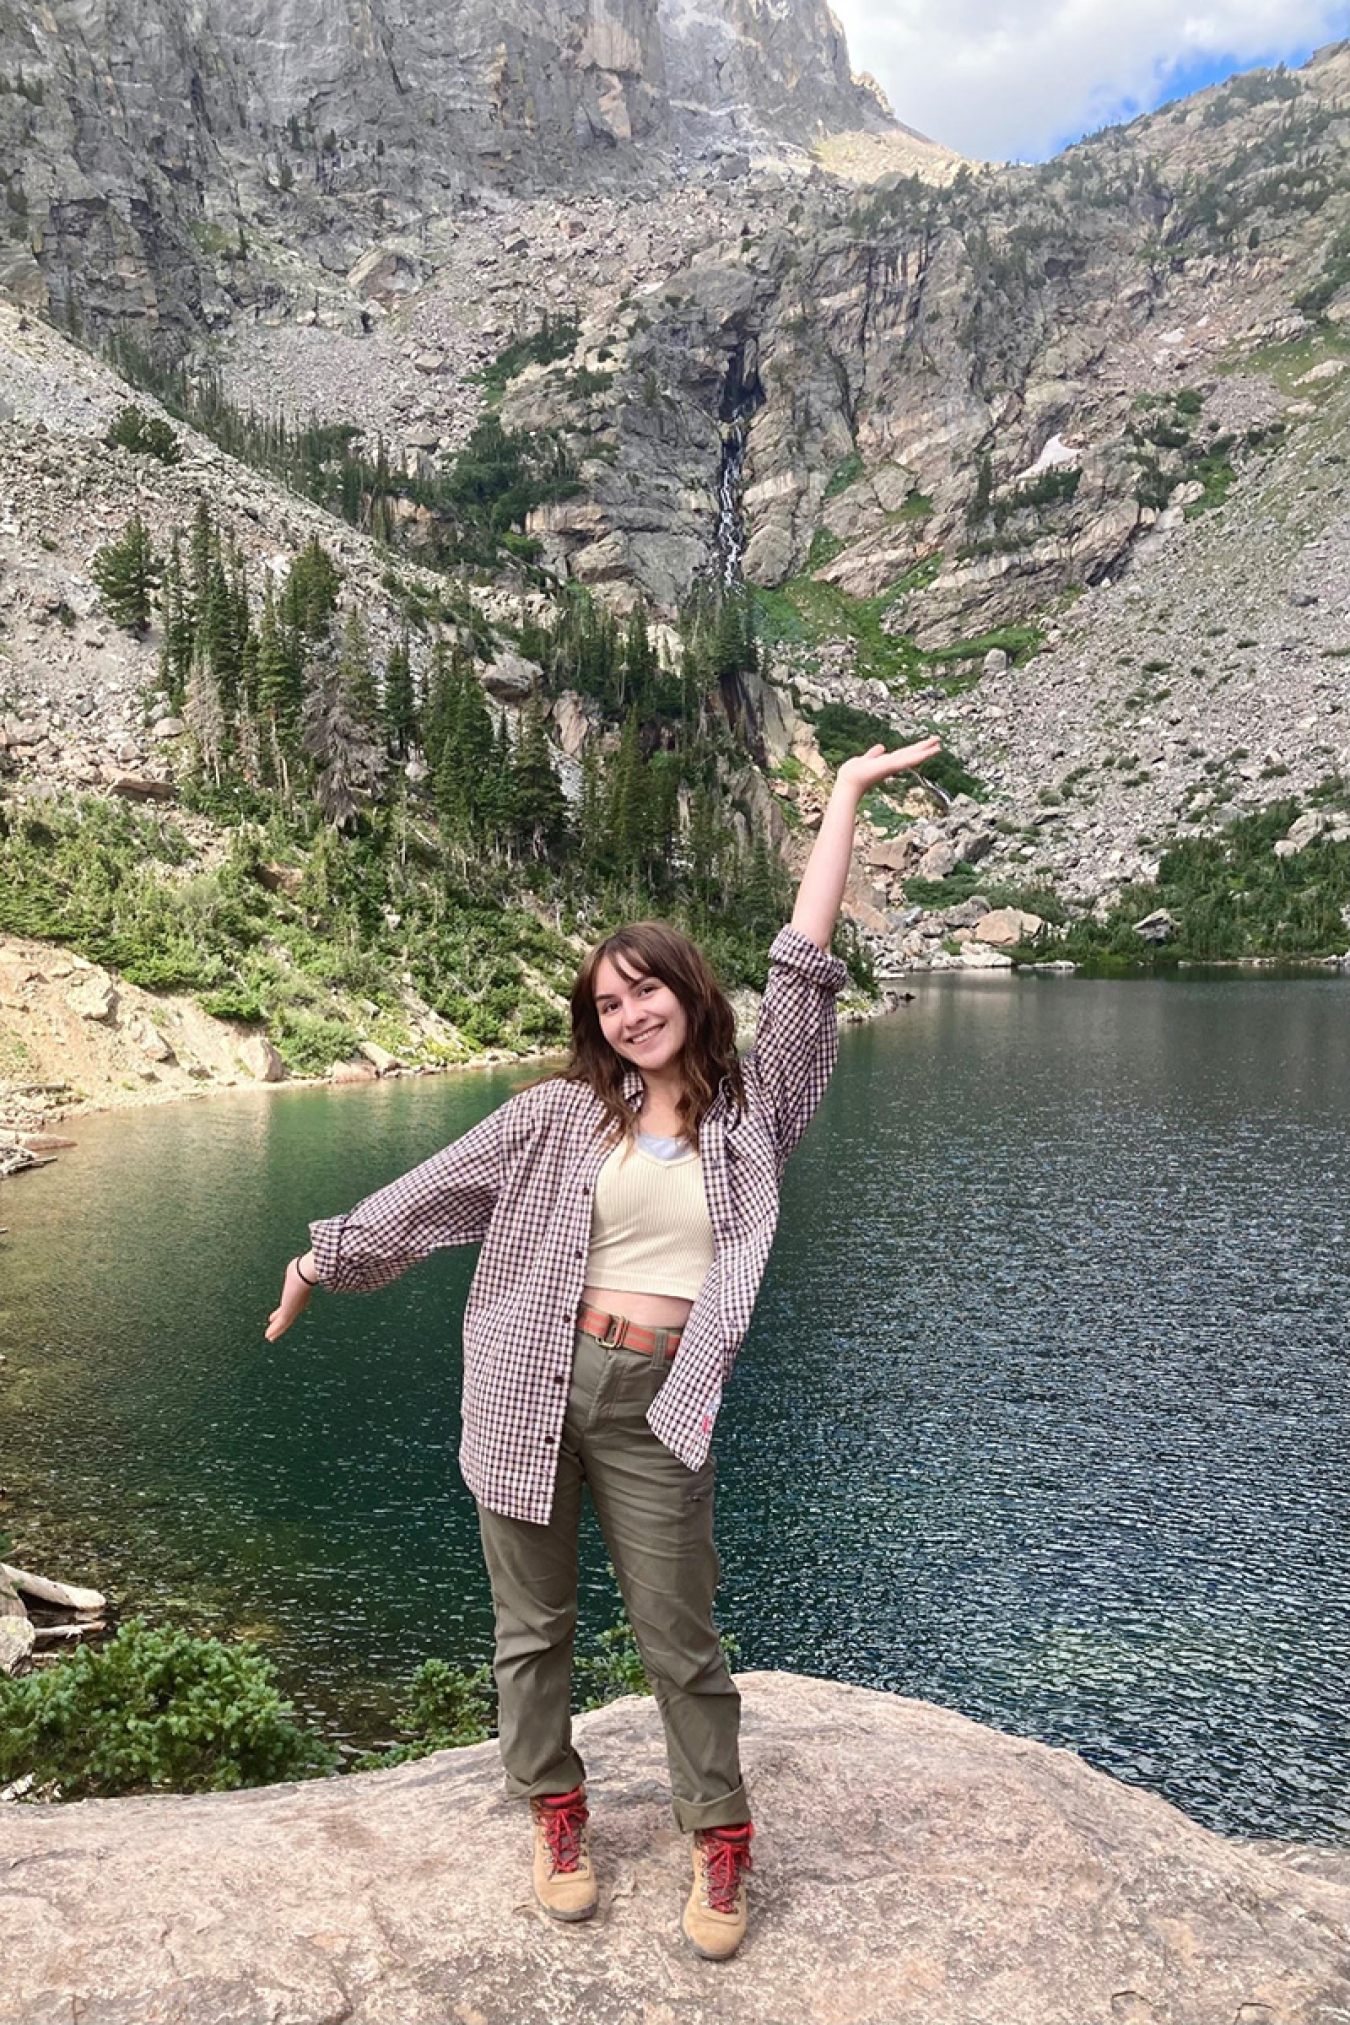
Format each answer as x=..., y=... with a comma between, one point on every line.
x=295, y=1293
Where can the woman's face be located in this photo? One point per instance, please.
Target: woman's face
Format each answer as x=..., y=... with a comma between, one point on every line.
x=640, y=1017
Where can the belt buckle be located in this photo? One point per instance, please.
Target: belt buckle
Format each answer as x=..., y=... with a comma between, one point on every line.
x=618, y=1323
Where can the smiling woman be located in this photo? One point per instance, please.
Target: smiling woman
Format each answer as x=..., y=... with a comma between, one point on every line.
x=626, y=1208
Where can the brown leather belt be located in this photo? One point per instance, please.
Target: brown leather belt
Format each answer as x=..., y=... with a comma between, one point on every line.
x=617, y=1332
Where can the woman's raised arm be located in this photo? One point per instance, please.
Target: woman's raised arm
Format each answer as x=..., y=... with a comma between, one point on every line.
x=826, y=873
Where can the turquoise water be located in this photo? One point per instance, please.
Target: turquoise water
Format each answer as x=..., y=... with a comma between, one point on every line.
x=1043, y=1415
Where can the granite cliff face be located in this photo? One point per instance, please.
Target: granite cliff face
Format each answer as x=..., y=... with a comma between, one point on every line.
x=175, y=163
x=926, y=360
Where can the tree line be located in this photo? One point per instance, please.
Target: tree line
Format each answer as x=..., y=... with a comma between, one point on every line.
x=286, y=697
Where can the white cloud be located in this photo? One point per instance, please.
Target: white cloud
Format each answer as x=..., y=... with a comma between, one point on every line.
x=1011, y=78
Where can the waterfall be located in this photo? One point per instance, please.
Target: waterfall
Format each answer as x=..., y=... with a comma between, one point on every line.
x=742, y=394
x=730, y=518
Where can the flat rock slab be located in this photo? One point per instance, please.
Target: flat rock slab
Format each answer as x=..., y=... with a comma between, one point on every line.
x=911, y=1868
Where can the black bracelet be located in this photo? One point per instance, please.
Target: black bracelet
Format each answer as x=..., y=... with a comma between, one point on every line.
x=299, y=1275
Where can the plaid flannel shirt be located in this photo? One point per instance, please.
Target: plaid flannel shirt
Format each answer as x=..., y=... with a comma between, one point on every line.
x=522, y=1184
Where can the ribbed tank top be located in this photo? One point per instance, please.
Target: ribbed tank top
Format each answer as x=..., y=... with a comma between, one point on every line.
x=650, y=1228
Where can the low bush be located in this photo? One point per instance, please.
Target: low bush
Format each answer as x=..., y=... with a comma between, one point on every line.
x=154, y=1710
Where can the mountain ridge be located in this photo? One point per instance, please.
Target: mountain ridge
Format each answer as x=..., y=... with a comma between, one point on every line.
x=1003, y=454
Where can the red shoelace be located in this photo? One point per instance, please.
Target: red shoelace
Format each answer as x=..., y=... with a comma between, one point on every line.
x=564, y=1820
x=726, y=1854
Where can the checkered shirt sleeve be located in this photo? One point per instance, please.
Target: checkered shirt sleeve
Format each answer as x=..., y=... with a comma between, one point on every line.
x=797, y=1038
x=448, y=1200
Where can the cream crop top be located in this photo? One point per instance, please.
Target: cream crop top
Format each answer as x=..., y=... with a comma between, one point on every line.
x=650, y=1228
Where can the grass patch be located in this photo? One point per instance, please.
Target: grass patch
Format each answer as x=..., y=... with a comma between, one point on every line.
x=845, y=474
x=806, y=613
x=825, y=546
x=1019, y=643
x=1287, y=363
x=555, y=339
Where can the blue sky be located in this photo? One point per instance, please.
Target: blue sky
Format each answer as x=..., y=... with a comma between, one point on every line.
x=1018, y=79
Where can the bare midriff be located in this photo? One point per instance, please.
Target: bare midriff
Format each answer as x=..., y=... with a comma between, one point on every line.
x=654, y=1311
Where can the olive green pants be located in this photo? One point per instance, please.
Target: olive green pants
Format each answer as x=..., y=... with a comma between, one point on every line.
x=657, y=1519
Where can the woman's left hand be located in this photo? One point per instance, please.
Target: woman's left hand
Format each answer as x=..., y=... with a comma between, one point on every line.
x=868, y=769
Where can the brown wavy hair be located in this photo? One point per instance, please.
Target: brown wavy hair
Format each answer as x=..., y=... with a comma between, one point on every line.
x=651, y=949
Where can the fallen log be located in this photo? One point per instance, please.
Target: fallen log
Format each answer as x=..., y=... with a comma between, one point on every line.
x=63, y=1593
x=67, y=1634
x=17, y=1160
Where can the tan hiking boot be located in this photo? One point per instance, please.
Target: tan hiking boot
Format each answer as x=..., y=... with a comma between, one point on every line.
x=564, y=1882
x=715, y=1917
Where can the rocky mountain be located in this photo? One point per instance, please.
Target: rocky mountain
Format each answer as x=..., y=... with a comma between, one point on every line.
x=176, y=164
x=1049, y=459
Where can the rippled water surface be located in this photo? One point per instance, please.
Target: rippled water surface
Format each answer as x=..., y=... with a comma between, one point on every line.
x=1044, y=1413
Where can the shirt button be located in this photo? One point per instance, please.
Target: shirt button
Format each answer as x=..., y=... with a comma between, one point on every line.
x=548, y=1441
x=560, y=1378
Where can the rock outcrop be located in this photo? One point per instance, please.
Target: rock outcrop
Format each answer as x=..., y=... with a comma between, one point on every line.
x=145, y=146
x=911, y=1868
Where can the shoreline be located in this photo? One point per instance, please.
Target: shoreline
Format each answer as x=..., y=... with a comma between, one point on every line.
x=29, y=1109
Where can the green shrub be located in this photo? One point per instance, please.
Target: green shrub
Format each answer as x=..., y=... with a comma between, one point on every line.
x=447, y=1707
x=552, y=341
x=615, y=1668
x=144, y=435
x=154, y=1709
x=1019, y=643
x=309, y=1044
x=235, y=1001
x=1230, y=896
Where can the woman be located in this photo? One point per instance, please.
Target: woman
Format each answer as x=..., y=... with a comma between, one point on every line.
x=626, y=1208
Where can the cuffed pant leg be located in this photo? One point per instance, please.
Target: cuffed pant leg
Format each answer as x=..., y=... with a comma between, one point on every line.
x=533, y=1572
x=657, y=1519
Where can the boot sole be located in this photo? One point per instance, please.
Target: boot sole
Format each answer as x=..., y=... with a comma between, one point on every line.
x=709, y=1954
x=585, y=1912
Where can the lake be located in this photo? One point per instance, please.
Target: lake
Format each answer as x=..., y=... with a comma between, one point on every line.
x=1043, y=1415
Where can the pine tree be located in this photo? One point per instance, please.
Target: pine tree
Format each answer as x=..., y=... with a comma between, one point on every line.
x=217, y=636
x=467, y=763
x=203, y=546
x=761, y=897
x=205, y=717
x=400, y=703
x=126, y=572
x=495, y=799
x=279, y=691
x=357, y=673
x=538, y=805
x=592, y=815
x=705, y=845
x=977, y=506
x=627, y=804
x=640, y=665
x=348, y=756
x=175, y=604
x=729, y=654
x=310, y=597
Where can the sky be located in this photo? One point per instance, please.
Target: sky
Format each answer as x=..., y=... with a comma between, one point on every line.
x=1018, y=79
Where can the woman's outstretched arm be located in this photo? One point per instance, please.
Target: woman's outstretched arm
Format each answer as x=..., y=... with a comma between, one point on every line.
x=300, y=1281
x=826, y=873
